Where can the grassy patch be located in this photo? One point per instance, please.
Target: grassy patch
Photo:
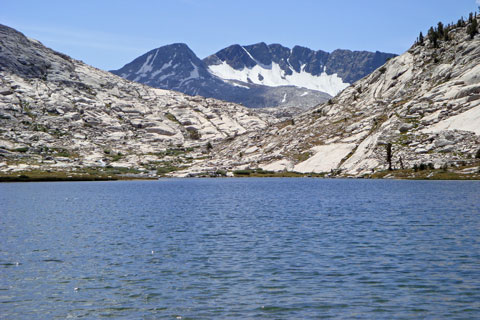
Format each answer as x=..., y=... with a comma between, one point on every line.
x=426, y=174
x=194, y=134
x=120, y=170
x=174, y=152
x=117, y=157
x=273, y=174
x=29, y=176
x=22, y=149
x=171, y=117
x=302, y=156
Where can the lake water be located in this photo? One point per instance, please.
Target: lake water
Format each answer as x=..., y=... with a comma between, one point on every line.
x=240, y=249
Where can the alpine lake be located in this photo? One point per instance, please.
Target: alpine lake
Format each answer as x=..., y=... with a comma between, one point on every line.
x=233, y=248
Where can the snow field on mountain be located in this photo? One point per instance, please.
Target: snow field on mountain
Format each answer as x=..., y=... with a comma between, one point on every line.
x=274, y=76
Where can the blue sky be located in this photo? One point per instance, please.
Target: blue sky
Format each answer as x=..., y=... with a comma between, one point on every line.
x=108, y=34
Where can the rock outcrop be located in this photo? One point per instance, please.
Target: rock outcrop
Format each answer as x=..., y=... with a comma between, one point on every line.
x=57, y=113
x=424, y=106
x=419, y=110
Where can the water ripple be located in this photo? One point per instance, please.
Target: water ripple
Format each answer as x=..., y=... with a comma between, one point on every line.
x=240, y=249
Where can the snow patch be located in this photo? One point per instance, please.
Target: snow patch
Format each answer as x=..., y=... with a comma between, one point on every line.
x=165, y=66
x=236, y=84
x=194, y=74
x=147, y=65
x=274, y=76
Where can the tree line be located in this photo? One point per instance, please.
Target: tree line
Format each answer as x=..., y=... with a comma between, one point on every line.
x=441, y=32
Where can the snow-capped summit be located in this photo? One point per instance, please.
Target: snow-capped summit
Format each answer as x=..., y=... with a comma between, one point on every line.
x=176, y=67
x=258, y=75
x=275, y=65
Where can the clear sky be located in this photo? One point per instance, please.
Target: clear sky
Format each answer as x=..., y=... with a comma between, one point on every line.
x=108, y=34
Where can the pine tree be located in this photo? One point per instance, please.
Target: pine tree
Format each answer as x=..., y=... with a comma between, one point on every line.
x=389, y=155
x=440, y=29
x=472, y=28
x=420, y=39
x=433, y=37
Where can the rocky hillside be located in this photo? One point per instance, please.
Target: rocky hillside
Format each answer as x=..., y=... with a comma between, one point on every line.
x=256, y=76
x=421, y=110
x=57, y=113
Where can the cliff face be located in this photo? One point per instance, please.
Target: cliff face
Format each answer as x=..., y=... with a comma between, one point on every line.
x=424, y=106
x=57, y=113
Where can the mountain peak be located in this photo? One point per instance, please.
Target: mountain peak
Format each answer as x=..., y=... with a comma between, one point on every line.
x=166, y=67
x=275, y=65
x=232, y=73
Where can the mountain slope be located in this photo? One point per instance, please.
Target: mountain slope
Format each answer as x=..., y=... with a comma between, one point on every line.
x=176, y=67
x=57, y=113
x=253, y=75
x=421, y=109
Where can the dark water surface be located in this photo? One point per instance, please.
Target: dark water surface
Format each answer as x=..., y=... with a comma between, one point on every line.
x=240, y=249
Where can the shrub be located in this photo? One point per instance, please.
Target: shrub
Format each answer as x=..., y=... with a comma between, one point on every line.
x=472, y=28
x=194, y=134
x=166, y=169
x=22, y=149
x=171, y=117
x=222, y=173
x=242, y=172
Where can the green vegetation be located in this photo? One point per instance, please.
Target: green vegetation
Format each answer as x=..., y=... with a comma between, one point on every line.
x=423, y=166
x=26, y=109
x=426, y=174
x=117, y=157
x=194, y=134
x=302, y=156
x=53, y=176
x=22, y=149
x=441, y=32
x=273, y=174
x=420, y=39
x=433, y=37
x=389, y=156
x=472, y=28
x=171, y=117
x=174, y=152
x=59, y=152
x=161, y=171
x=221, y=173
